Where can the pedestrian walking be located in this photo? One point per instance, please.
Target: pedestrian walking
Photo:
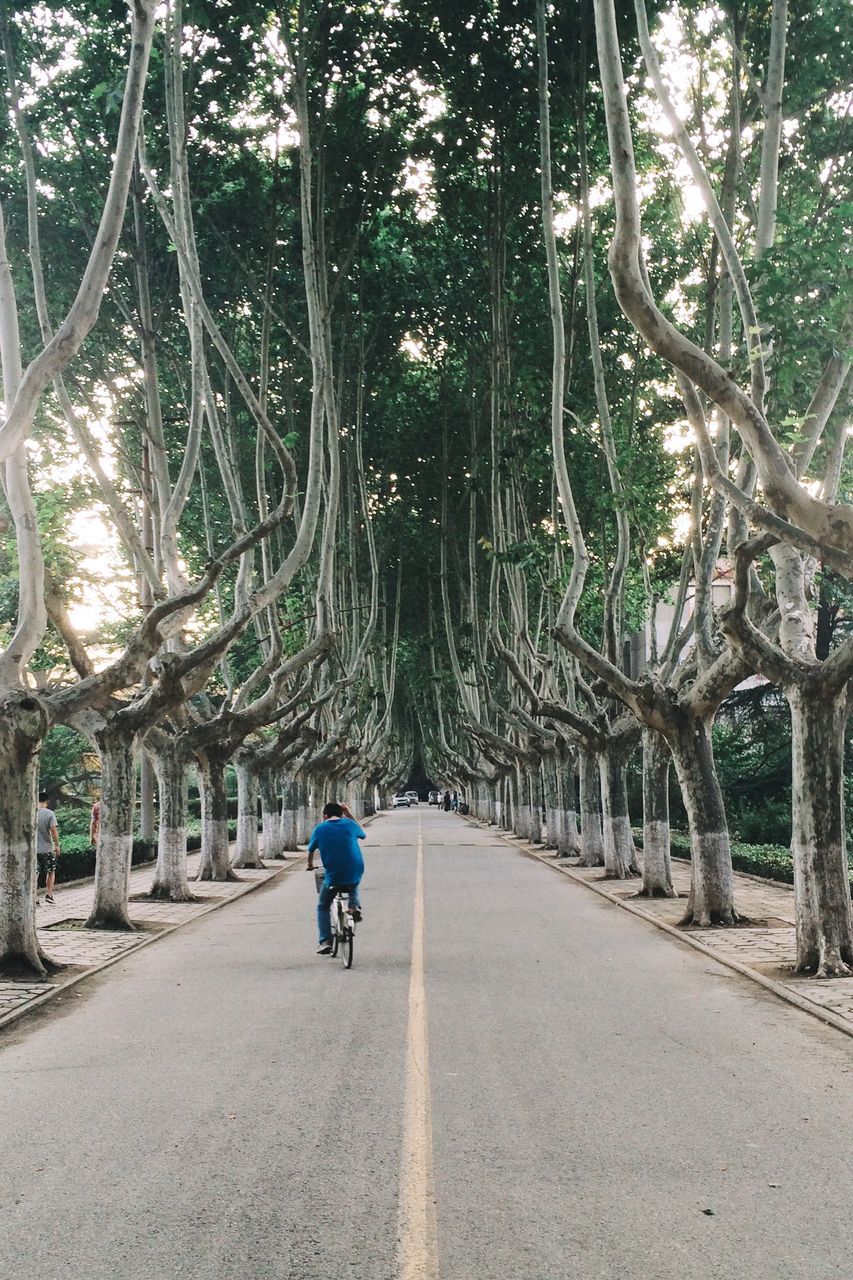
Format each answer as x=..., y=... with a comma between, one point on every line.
x=447, y=802
x=47, y=846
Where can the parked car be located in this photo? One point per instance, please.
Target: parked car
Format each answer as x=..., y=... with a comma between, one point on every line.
x=400, y=802
x=413, y=797
x=434, y=797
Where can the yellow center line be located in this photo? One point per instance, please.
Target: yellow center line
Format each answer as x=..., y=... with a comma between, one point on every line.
x=418, y=1256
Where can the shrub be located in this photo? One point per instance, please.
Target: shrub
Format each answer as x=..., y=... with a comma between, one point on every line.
x=194, y=807
x=770, y=861
x=767, y=820
x=73, y=821
x=77, y=861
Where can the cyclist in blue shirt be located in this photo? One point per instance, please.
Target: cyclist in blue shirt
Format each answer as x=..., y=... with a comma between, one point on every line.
x=336, y=839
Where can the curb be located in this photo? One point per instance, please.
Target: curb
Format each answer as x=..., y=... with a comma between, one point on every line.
x=776, y=988
x=145, y=941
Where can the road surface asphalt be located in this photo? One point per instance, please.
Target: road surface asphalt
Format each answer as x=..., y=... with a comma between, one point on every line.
x=601, y=1102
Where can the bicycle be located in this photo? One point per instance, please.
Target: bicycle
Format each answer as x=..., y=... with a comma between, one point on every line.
x=343, y=930
x=343, y=924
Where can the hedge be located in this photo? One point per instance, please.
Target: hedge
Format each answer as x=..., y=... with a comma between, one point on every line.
x=769, y=861
x=194, y=807
x=77, y=860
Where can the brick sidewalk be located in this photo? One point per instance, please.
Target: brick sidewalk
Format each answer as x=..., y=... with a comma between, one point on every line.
x=764, y=950
x=84, y=951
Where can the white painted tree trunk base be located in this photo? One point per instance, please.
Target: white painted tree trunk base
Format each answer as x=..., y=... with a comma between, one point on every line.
x=657, y=868
x=247, y=852
x=272, y=835
x=170, y=878
x=22, y=728
x=824, y=918
x=215, y=865
x=592, y=829
x=170, y=875
x=115, y=837
x=711, y=900
x=592, y=841
x=657, y=862
x=523, y=822
x=289, y=829
x=619, y=854
x=568, y=836
x=620, y=857
x=112, y=882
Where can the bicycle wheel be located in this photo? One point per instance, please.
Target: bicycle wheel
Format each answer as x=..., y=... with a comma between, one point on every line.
x=347, y=942
x=336, y=923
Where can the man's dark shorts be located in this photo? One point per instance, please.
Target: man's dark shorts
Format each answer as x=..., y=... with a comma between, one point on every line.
x=47, y=862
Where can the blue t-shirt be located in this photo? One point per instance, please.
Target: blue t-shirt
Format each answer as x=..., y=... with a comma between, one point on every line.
x=337, y=841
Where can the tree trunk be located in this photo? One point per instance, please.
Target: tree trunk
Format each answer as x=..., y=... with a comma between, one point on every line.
x=520, y=807
x=115, y=836
x=270, y=817
x=711, y=899
x=289, y=826
x=305, y=814
x=23, y=725
x=821, y=876
x=657, y=867
x=170, y=876
x=507, y=796
x=534, y=792
x=620, y=858
x=247, y=853
x=146, y=797
x=592, y=829
x=215, y=846
x=354, y=798
x=568, y=839
x=551, y=802
x=505, y=821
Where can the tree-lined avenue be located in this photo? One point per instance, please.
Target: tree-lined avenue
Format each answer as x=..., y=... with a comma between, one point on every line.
x=229, y=1104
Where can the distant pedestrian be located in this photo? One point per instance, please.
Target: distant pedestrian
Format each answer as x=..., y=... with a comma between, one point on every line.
x=454, y=803
x=95, y=823
x=447, y=802
x=47, y=845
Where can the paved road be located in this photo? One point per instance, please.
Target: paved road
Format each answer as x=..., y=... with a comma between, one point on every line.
x=226, y=1105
